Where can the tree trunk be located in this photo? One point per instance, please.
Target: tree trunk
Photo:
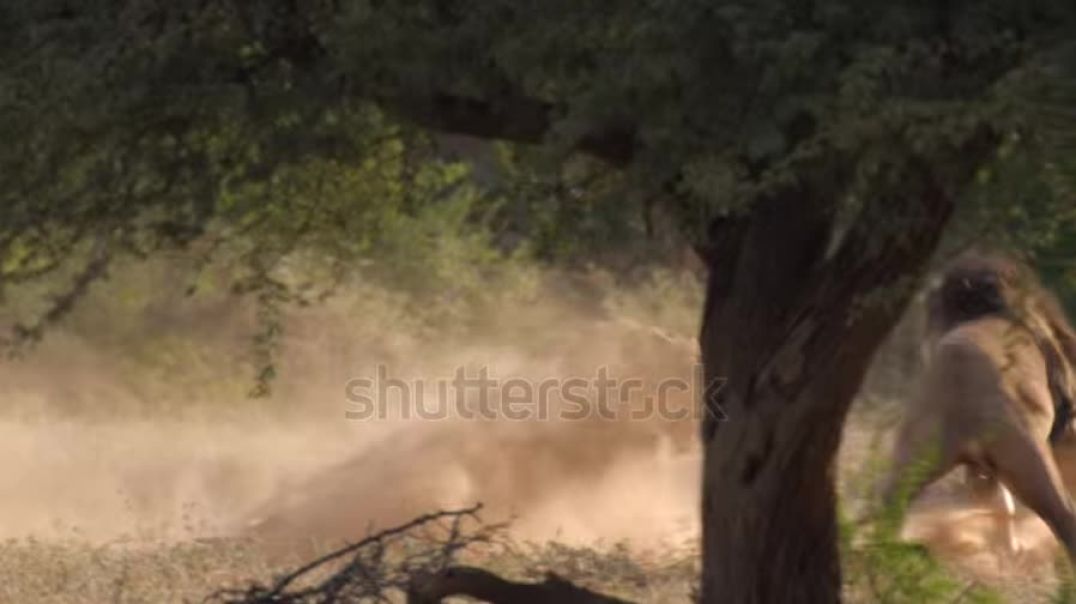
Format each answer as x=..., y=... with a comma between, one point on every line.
x=789, y=333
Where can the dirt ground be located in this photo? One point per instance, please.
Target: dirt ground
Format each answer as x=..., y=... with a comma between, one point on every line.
x=304, y=489
x=76, y=487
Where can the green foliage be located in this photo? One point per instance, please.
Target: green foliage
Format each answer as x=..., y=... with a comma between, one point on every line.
x=878, y=565
x=141, y=122
x=1066, y=589
x=888, y=571
x=299, y=129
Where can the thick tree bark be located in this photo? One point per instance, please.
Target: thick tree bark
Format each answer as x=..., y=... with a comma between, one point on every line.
x=787, y=330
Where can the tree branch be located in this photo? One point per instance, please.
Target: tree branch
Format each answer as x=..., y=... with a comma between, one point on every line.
x=95, y=268
x=514, y=118
x=503, y=114
x=282, y=583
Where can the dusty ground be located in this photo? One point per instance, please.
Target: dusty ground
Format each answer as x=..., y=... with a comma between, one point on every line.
x=87, y=493
x=152, y=507
x=102, y=503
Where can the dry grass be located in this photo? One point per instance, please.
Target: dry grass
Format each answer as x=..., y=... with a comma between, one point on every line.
x=76, y=572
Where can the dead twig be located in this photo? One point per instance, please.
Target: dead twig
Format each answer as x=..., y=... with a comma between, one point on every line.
x=366, y=570
x=416, y=559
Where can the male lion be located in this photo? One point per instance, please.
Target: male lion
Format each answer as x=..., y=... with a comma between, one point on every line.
x=999, y=388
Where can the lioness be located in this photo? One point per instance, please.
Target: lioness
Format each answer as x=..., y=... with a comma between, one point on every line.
x=997, y=391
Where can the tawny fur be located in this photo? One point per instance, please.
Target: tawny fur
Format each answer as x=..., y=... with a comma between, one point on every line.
x=998, y=388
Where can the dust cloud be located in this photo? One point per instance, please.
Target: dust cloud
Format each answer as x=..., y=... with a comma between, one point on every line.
x=91, y=451
x=101, y=448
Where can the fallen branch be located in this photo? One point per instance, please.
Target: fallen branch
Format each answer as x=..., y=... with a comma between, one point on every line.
x=488, y=587
x=417, y=558
x=368, y=569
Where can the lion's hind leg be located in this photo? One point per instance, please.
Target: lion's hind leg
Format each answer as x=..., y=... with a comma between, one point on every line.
x=1026, y=466
x=920, y=458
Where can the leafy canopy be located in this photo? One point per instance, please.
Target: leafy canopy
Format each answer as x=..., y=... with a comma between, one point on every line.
x=135, y=125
